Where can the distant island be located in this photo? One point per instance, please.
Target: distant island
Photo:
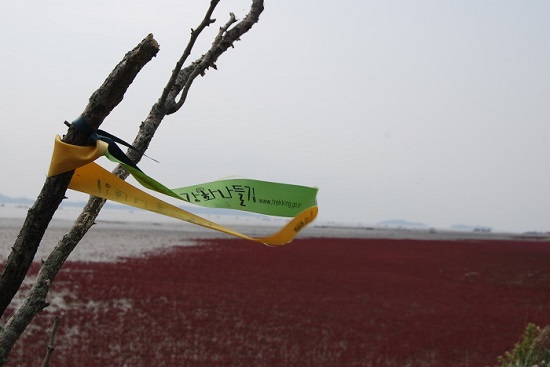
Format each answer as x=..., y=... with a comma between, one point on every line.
x=401, y=223
x=464, y=227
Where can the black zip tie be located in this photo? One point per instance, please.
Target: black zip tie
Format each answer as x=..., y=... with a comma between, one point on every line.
x=111, y=140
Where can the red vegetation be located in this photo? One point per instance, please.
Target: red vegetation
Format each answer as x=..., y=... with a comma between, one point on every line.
x=316, y=302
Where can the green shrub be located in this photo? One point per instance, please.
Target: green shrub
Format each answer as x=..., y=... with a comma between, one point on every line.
x=533, y=350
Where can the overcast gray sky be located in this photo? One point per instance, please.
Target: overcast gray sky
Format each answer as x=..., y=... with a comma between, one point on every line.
x=429, y=111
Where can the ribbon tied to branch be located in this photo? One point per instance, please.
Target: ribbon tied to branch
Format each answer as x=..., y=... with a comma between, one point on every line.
x=262, y=197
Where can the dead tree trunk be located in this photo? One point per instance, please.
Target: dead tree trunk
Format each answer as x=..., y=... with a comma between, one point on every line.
x=171, y=100
x=101, y=103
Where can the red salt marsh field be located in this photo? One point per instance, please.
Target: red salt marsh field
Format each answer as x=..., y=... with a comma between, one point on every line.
x=315, y=302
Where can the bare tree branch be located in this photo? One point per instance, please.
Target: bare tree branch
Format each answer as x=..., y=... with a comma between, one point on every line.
x=101, y=103
x=180, y=78
x=221, y=44
x=207, y=20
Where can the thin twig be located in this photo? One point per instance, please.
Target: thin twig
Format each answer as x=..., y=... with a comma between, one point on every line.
x=51, y=343
x=222, y=43
x=207, y=20
x=224, y=28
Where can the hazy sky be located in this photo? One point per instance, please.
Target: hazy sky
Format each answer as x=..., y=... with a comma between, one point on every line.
x=430, y=111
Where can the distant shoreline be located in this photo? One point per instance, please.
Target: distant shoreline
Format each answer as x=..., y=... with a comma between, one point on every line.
x=116, y=236
x=313, y=230
x=12, y=215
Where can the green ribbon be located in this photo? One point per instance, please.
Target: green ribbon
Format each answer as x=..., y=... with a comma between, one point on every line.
x=263, y=197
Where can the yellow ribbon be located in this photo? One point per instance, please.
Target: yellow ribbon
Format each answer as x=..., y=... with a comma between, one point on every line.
x=67, y=157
